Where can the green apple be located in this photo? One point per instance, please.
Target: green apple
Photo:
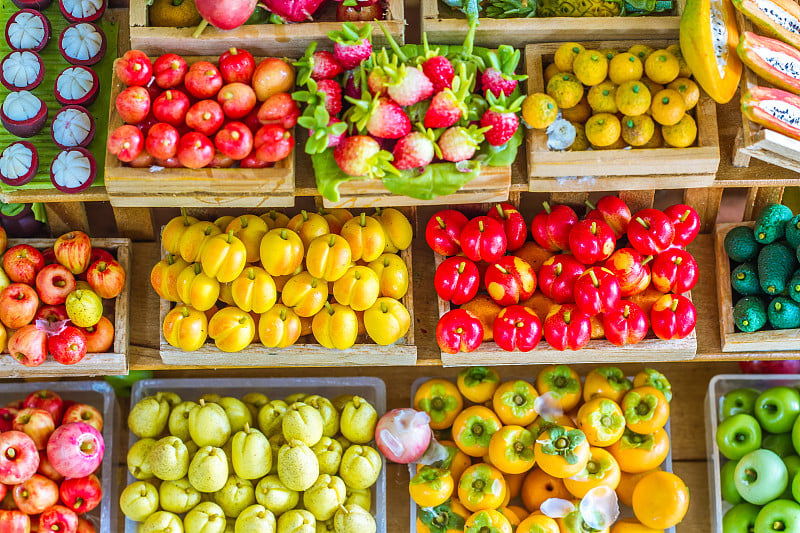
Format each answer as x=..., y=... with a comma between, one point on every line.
x=780, y=443
x=739, y=401
x=729, y=492
x=139, y=500
x=777, y=409
x=779, y=516
x=84, y=308
x=741, y=518
x=760, y=476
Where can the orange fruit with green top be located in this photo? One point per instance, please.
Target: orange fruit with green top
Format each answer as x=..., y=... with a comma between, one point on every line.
x=442, y=401
x=473, y=429
x=513, y=402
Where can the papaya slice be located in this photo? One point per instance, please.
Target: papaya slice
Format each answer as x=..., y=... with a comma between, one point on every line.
x=774, y=109
x=776, y=18
x=708, y=36
x=776, y=62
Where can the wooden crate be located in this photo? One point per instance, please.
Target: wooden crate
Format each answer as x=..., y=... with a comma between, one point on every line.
x=260, y=39
x=492, y=185
x=205, y=187
x=442, y=26
x=639, y=169
x=94, y=364
x=770, y=340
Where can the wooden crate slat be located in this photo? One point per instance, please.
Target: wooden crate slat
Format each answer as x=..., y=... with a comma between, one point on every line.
x=706, y=202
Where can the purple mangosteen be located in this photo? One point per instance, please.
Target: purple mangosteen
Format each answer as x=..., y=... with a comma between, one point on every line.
x=19, y=221
x=76, y=85
x=73, y=170
x=82, y=43
x=28, y=30
x=23, y=114
x=82, y=10
x=72, y=126
x=19, y=163
x=22, y=70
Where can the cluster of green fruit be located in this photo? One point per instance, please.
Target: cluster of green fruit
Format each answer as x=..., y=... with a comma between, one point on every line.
x=766, y=272
x=204, y=466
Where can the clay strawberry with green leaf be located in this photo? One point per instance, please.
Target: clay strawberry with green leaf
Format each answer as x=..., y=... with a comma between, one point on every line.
x=501, y=118
x=459, y=143
x=448, y=106
x=416, y=150
x=317, y=65
x=499, y=77
x=323, y=131
x=361, y=155
x=352, y=45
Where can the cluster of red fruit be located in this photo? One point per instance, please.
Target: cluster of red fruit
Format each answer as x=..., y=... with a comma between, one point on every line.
x=591, y=283
x=53, y=303
x=173, y=110
x=50, y=450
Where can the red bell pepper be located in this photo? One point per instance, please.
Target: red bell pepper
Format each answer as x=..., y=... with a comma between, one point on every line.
x=557, y=277
x=632, y=270
x=457, y=280
x=611, y=210
x=517, y=328
x=514, y=225
x=673, y=317
x=551, y=226
x=625, y=323
x=443, y=232
x=567, y=327
x=651, y=232
x=597, y=291
x=675, y=271
x=459, y=330
x=510, y=280
x=592, y=241
x=686, y=222
x=483, y=239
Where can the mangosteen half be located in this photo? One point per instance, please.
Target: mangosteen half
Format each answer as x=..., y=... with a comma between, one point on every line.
x=28, y=30
x=19, y=163
x=76, y=85
x=73, y=170
x=23, y=114
x=72, y=126
x=82, y=43
x=82, y=10
x=22, y=70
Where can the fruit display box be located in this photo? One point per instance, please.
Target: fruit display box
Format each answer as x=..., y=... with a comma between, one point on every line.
x=266, y=39
x=718, y=387
x=99, y=395
x=770, y=340
x=651, y=349
x=447, y=26
x=116, y=310
x=371, y=389
x=639, y=169
x=204, y=187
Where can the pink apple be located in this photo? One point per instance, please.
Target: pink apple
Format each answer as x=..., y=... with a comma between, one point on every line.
x=99, y=337
x=37, y=424
x=58, y=518
x=46, y=469
x=171, y=107
x=28, y=345
x=81, y=412
x=134, y=68
x=81, y=494
x=67, y=347
x=47, y=400
x=76, y=449
x=106, y=278
x=74, y=250
x=14, y=522
x=203, y=80
x=234, y=140
x=18, y=457
x=36, y=494
x=22, y=262
x=54, y=283
x=162, y=140
x=7, y=415
x=100, y=254
x=195, y=150
x=84, y=526
x=205, y=116
x=52, y=313
x=18, y=305
x=237, y=65
x=237, y=100
x=133, y=104
x=126, y=142
x=169, y=70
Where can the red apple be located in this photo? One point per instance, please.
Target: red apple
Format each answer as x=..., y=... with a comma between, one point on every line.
x=67, y=347
x=205, y=116
x=54, y=283
x=22, y=262
x=84, y=526
x=82, y=494
x=76, y=449
x=16, y=404
x=651, y=232
x=51, y=313
x=36, y=495
x=143, y=160
x=58, y=518
x=221, y=160
x=81, y=412
x=74, y=251
x=235, y=140
x=133, y=104
x=171, y=107
x=46, y=469
x=126, y=142
x=195, y=150
x=14, y=521
x=251, y=121
x=279, y=109
x=169, y=70
x=162, y=140
x=47, y=400
x=18, y=458
x=273, y=143
x=100, y=254
x=38, y=424
x=49, y=256
x=28, y=345
x=236, y=99
x=134, y=68
x=7, y=415
x=252, y=161
x=203, y=80
x=18, y=305
x=237, y=65
x=3, y=492
x=149, y=120
x=613, y=211
x=170, y=162
x=106, y=278
x=99, y=337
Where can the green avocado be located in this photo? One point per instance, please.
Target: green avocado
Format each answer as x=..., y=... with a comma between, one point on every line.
x=741, y=244
x=749, y=314
x=783, y=313
x=744, y=280
x=776, y=264
x=771, y=223
x=793, y=231
x=793, y=288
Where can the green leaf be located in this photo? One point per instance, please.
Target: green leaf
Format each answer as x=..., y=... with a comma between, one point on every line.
x=328, y=175
x=441, y=519
x=500, y=156
x=438, y=179
x=39, y=212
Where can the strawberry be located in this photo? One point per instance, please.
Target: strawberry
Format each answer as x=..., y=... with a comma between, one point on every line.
x=361, y=155
x=332, y=92
x=324, y=131
x=459, y=143
x=388, y=120
x=501, y=119
x=436, y=67
x=378, y=78
x=415, y=150
x=409, y=85
x=317, y=65
x=351, y=45
x=499, y=77
x=448, y=105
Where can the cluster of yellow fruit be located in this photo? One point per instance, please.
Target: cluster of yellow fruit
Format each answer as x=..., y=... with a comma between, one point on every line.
x=272, y=279
x=639, y=98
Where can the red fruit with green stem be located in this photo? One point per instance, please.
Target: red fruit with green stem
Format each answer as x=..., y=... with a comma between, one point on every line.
x=596, y=291
x=483, y=239
x=223, y=14
x=567, y=328
x=133, y=104
x=514, y=224
x=501, y=118
x=195, y=150
x=517, y=328
x=205, y=117
x=437, y=67
x=408, y=85
x=171, y=107
x=611, y=210
x=294, y=11
x=591, y=241
x=378, y=77
x=557, y=277
x=331, y=94
x=237, y=99
x=686, y=221
x=351, y=45
x=673, y=316
x=237, y=65
x=551, y=227
x=443, y=231
x=448, y=105
x=203, y=80
x=510, y=280
x=81, y=494
x=234, y=140
x=169, y=70
x=134, y=68
x=631, y=269
x=458, y=330
x=415, y=150
x=162, y=140
x=279, y=109
x=457, y=280
x=625, y=323
x=126, y=142
x=458, y=143
x=58, y=518
x=317, y=65
x=650, y=231
x=499, y=77
x=361, y=155
x=273, y=143
x=675, y=270
x=380, y=116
